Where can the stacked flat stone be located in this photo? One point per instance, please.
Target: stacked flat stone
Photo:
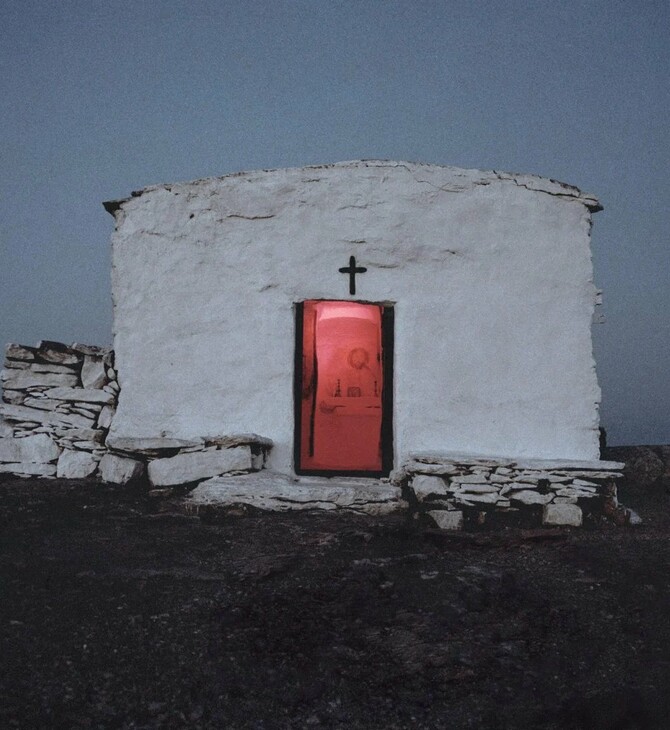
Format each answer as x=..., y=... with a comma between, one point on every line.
x=57, y=405
x=170, y=462
x=558, y=492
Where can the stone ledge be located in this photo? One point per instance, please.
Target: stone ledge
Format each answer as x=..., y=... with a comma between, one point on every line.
x=544, y=491
x=459, y=458
x=150, y=445
x=272, y=492
x=162, y=446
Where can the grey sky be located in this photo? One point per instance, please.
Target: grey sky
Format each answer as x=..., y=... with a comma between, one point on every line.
x=101, y=98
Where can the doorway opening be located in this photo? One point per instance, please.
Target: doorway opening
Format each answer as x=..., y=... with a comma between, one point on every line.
x=344, y=388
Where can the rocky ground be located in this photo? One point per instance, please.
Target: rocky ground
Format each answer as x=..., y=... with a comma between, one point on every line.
x=120, y=611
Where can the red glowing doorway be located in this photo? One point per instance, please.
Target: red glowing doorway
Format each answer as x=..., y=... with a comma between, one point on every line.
x=343, y=388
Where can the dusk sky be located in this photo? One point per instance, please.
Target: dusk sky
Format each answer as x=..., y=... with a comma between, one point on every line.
x=101, y=98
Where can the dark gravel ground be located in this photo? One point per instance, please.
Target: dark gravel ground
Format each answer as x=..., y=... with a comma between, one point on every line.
x=119, y=611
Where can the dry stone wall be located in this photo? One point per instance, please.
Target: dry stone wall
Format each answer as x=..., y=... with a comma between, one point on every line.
x=58, y=402
x=448, y=491
x=57, y=405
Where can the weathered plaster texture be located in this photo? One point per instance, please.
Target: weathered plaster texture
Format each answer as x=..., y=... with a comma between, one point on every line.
x=490, y=274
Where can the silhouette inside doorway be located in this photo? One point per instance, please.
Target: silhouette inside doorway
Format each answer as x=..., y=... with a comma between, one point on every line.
x=342, y=388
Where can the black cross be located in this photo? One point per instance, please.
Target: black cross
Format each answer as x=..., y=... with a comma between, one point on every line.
x=352, y=270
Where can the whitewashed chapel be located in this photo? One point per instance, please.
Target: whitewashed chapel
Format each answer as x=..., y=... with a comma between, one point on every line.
x=425, y=327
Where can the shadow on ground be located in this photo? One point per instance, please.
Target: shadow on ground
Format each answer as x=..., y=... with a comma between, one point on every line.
x=118, y=611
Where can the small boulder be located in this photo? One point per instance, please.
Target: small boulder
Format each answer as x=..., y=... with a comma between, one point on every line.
x=199, y=465
x=93, y=372
x=562, y=514
x=105, y=417
x=76, y=465
x=447, y=520
x=528, y=496
x=120, y=469
x=423, y=486
x=38, y=449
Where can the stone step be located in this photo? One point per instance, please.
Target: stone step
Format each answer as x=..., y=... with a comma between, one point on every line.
x=280, y=493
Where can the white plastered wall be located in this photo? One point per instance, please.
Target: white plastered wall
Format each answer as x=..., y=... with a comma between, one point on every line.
x=491, y=276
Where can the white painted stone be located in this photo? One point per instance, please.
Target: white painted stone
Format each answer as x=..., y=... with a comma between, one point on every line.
x=5, y=428
x=186, y=468
x=120, y=469
x=283, y=234
x=479, y=489
x=583, y=483
x=83, y=395
x=93, y=372
x=518, y=486
x=16, y=397
x=499, y=479
x=111, y=374
x=416, y=467
x=590, y=474
x=22, y=379
x=503, y=503
x=530, y=497
x=88, y=445
x=277, y=492
x=442, y=503
x=482, y=498
x=91, y=411
x=76, y=465
x=29, y=469
x=150, y=445
x=461, y=459
x=105, y=417
x=42, y=404
x=564, y=500
x=13, y=397
x=569, y=465
x=79, y=434
x=570, y=492
x=37, y=449
x=447, y=520
x=562, y=514
x=398, y=477
x=544, y=475
x=423, y=486
x=21, y=413
x=471, y=479
x=44, y=367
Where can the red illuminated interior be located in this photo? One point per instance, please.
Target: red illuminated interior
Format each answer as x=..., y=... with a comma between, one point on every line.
x=341, y=407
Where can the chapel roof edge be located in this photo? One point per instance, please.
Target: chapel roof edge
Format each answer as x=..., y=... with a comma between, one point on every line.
x=473, y=176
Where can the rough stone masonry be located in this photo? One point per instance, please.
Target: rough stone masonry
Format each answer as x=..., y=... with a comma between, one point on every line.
x=58, y=402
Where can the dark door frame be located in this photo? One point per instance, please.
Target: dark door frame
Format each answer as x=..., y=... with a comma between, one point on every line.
x=387, y=393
